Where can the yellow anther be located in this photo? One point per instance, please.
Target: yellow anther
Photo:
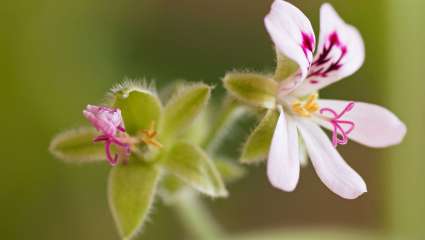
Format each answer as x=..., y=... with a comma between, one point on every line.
x=305, y=109
x=148, y=136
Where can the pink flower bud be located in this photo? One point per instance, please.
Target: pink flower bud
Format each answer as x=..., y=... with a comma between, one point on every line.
x=106, y=120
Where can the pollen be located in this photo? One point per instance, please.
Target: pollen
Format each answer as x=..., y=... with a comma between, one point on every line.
x=149, y=136
x=307, y=107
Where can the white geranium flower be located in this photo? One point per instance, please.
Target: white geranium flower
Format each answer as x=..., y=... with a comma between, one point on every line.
x=340, y=53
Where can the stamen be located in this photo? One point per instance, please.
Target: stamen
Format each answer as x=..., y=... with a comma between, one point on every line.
x=307, y=108
x=339, y=135
x=148, y=136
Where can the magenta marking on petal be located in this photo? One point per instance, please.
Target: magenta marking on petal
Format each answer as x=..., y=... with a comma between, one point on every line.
x=323, y=64
x=333, y=38
x=339, y=134
x=307, y=45
x=308, y=41
x=314, y=81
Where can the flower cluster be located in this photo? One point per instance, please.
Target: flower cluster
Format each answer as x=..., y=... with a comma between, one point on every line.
x=168, y=145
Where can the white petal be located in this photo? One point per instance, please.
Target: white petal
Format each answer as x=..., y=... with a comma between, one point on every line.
x=332, y=27
x=328, y=163
x=286, y=25
x=283, y=166
x=375, y=126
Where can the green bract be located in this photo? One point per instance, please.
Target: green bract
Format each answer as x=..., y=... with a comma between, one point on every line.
x=77, y=146
x=251, y=88
x=193, y=166
x=131, y=192
x=257, y=145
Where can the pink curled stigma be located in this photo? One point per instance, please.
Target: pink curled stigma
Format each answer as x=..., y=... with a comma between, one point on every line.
x=339, y=134
x=109, y=140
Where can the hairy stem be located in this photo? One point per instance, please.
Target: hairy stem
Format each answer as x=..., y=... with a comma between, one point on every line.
x=196, y=219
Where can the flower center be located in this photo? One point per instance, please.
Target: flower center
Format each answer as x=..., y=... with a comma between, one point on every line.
x=306, y=108
x=148, y=136
x=339, y=134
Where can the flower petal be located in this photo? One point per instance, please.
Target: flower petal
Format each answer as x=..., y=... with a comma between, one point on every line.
x=328, y=163
x=375, y=126
x=283, y=166
x=292, y=33
x=340, y=52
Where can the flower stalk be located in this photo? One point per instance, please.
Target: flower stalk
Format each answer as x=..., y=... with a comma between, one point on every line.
x=195, y=217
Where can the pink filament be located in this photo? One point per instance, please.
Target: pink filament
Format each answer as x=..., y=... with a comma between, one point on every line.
x=109, y=140
x=336, y=122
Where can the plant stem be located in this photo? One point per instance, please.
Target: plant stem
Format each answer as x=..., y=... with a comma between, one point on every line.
x=196, y=219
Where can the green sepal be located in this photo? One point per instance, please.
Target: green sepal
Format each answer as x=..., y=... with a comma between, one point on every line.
x=131, y=190
x=285, y=67
x=257, y=146
x=192, y=165
x=251, y=88
x=230, y=171
x=140, y=106
x=182, y=110
x=77, y=146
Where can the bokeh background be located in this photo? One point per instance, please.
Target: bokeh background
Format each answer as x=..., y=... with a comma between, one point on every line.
x=57, y=56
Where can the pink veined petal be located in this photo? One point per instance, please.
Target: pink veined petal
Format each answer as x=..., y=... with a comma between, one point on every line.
x=292, y=33
x=375, y=126
x=340, y=52
x=283, y=166
x=328, y=163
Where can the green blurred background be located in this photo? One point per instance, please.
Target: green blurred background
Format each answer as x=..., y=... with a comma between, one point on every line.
x=57, y=56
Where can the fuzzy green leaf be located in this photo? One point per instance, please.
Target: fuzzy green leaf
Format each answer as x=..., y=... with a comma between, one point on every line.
x=77, y=146
x=192, y=165
x=140, y=107
x=285, y=67
x=253, y=89
x=183, y=108
x=258, y=143
x=230, y=170
x=131, y=191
